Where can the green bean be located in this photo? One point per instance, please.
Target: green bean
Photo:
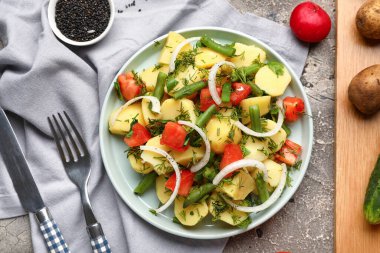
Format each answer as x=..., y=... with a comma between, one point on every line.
x=223, y=49
x=160, y=85
x=171, y=83
x=198, y=193
x=262, y=188
x=189, y=89
x=145, y=183
x=209, y=173
x=198, y=44
x=256, y=91
x=254, y=113
x=226, y=92
x=206, y=116
x=286, y=129
x=243, y=73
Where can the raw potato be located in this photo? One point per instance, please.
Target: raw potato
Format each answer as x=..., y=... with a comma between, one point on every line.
x=206, y=58
x=364, y=90
x=263, y=103
x=171, y=109
x=229, y=214
x=240, y=186
x=272, y=84
x=149, y=76
x=274, y=172
x=147, y=113
x=274, y=142
x=192, y=154
x=139, y=166
x=123, y=121
x=246, y=55
x=188, y=76
x=163, y=194
x=256, y=149
x=192, y=214
x=171, y=43
x=219, y=133
x=368, y=19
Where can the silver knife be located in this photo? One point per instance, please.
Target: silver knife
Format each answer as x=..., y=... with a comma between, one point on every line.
x=26, y=188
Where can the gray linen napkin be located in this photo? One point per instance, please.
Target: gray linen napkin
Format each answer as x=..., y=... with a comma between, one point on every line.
x=39, y=76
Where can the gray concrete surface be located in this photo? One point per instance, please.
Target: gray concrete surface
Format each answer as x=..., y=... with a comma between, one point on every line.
x=306, y=223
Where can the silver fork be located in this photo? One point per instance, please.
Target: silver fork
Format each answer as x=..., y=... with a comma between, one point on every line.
x=76, y=160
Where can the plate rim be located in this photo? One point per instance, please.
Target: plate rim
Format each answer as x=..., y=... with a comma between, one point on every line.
x=283, y=200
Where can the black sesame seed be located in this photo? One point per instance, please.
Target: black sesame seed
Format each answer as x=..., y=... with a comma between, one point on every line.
x=139, y=10
x=82, y=20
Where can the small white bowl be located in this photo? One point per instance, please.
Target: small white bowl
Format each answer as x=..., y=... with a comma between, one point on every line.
x=57, y=32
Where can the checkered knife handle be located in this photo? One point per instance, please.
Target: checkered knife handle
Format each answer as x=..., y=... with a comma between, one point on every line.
x=100, y=245
x=54, y=240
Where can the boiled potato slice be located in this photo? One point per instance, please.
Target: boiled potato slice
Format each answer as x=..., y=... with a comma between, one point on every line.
x=139, y=166
x=224, y=212
x=162, y=192
x=272, y=84
x=206, y=58
x=246, y=55
x=276, y=141
x=274, y=172
x=149, y=76
x=159, y=162
x=188, y=76
x=122, y=124
x=172, y=42
x=258, y=149
x=175, y=110
x=220, y=132
x=262, y=102
x=147, y=113
x=240, y=186
x=192, y=214
x=192, y=154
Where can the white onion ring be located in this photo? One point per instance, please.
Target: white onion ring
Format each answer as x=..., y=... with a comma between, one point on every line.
x=240, y=164
x=273, y=198
x=177, y=174
x=178, y=49
x=211, y=80
x=277, y=128
x=156, y=106
x=206, y=156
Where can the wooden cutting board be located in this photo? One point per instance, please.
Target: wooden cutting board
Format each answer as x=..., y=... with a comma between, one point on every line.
x=357, y=138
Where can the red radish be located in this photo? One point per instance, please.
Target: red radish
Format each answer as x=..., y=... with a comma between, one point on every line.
x=309, y=22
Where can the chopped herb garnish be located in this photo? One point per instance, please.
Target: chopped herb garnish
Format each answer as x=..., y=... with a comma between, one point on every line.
x=156, y=43
x=157, y=66
x=244, y=150
x=116, y=85
x=176, y=220
x=276, y=67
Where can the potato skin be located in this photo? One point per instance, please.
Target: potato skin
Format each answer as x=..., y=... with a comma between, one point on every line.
x=368, y=19
x=364, y=90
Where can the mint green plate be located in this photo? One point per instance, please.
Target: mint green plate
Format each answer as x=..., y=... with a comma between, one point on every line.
x=125, y=178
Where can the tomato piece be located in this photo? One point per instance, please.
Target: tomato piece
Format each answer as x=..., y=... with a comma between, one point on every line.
x=286, y=155
x=232, y=153
x=140, y=135
x=128, y=86
x=241, y=91
x=206, y=100
x=187, y=179
x=296, y=148
x=293, y=108
x=174, y=136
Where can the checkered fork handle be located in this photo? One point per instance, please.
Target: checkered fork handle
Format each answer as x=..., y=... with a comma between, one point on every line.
x=53, y=237
x=100, y=245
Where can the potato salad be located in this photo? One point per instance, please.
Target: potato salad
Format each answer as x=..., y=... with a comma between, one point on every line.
x=207, y=128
